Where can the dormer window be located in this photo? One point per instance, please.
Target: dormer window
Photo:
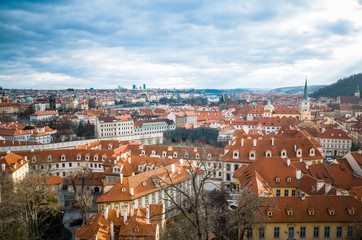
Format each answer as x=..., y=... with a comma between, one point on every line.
x=331, y=211
x=289, y=180
x=50, y=158
x=104, y=157
x=164, y=154
x=197, y=155
x=270, y=213
x=235, y=154
x=252, y=155
x=153, y=153
x=351, y=210
x=143, y=152
x=268, y=153
x=283, y=153
x=95, y=157
x=110, y=146
x=290, y=212
x=87, y=157
x=277, y=179
x=312, y=152
x=123, y=189
x=175, y=154
x=209, y=156
x=311, y=211
x=79, y=157
x=62, y=158
x=299, y=152
x=33, y=159
x=144, y=184
x=137, y=230
x=186, y=155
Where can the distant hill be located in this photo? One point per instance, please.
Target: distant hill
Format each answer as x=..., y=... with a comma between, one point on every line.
x=296, y=90
x=343, y=87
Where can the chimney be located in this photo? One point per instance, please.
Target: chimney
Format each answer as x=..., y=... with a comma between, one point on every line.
x=3, y=167
x=242, y=142
x=302, y=196
x=8, y=152
x=288, y=162
x=320, y=184
x=106, y=213
x=125, y=215
x=131, y=192
x=26, y=158
x=173, y=168
x=295, y=148
x=121, y=178
x=181, y=161
x=115, y=161
x=129, y=160
x=117, y=212
x=254, y=143
x=148, y=214
x=32, y=150
x=327, y=188
x=132, y=210
x=272, y=141
x=117, y=158
x=112, y=230
x=298, y=174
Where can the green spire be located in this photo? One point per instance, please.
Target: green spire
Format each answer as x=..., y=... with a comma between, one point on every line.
x=305, y=97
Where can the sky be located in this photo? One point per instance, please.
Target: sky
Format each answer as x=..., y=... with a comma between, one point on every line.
x=178, y=43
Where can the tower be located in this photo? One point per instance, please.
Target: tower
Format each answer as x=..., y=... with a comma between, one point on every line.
x=304, y=104
x=52, y=102
x=356, y=93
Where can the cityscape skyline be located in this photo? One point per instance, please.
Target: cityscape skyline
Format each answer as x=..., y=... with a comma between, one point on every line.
x=178, y=44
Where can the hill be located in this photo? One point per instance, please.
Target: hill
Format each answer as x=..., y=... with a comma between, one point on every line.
x=343, y=87
x=298, y=89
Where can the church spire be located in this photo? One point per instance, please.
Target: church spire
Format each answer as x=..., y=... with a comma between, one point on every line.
x=305, y=97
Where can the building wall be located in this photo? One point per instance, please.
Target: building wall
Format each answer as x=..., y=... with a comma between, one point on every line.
x=284, y=230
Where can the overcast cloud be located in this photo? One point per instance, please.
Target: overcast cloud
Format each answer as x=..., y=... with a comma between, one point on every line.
x=178, y=43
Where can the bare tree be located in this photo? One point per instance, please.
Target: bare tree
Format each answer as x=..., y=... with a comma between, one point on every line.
x=32, y=210
x=83, y=198
x=190, y=199
x=206, y=215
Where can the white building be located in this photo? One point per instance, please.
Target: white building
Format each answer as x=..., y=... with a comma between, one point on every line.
x=114, y=126
x=153, y=126
x=43, y=116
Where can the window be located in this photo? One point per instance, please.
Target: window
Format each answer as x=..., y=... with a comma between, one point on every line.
x=327, y=231
x=261, y=232
x=276, y=232
x=278, y=193
x=293, y=193
x=286, y=193
x=277, y=179
x=291, y=233
x=249, y=233
x=228, y=167
x=350, y=232
x=339, y=232
x=227, y=177
x=284, y=153
x=316, y=232
x=140, y=202
x=302, y=232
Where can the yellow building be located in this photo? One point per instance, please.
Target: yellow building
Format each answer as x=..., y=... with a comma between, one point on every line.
x=313, y=217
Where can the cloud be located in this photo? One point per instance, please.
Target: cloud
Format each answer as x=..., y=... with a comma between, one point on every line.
x=181, y=43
